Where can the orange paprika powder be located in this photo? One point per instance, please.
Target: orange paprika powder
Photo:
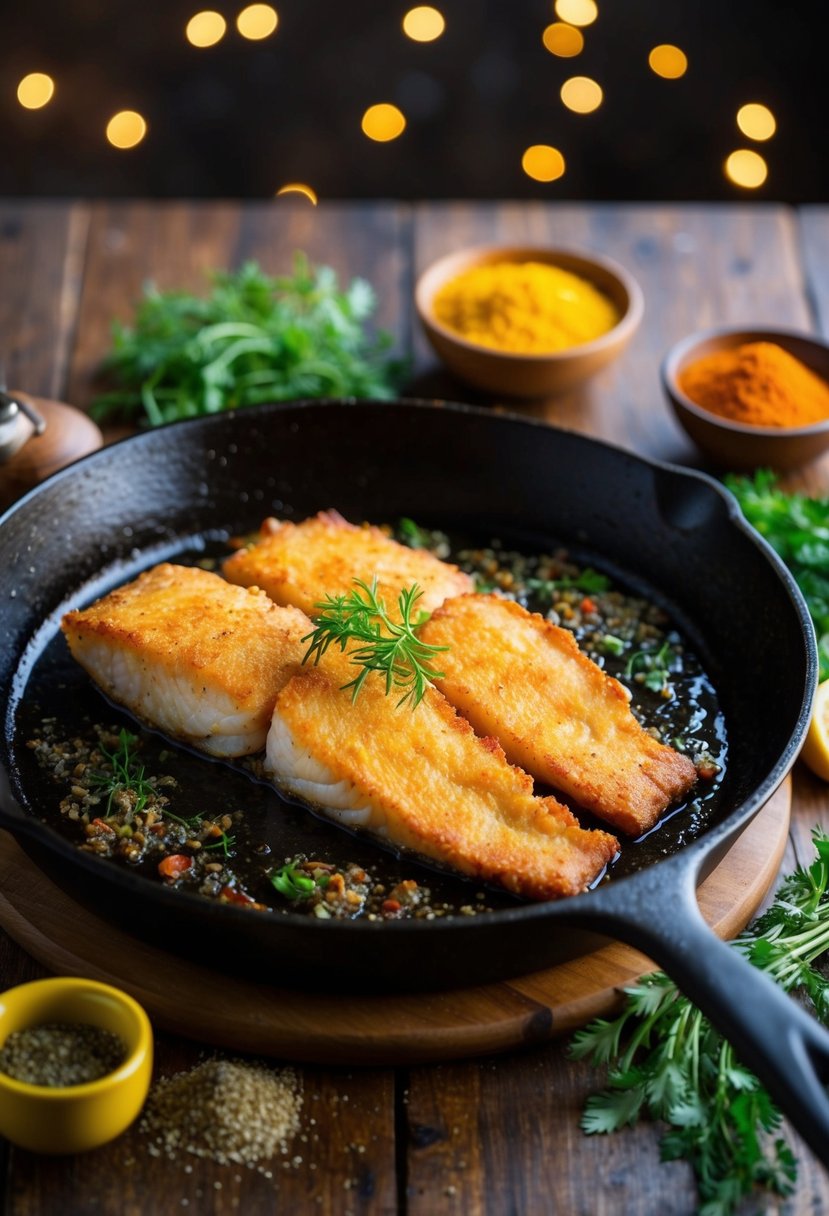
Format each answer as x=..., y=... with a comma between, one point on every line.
x=759, y=384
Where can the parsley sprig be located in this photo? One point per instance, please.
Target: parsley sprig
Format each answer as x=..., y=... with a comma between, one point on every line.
x=377, y=642
x=666, y=1062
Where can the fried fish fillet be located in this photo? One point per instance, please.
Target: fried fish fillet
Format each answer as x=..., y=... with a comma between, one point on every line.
x=423, y=780
x=191, y=654
x=517, y=677
x=301, y=564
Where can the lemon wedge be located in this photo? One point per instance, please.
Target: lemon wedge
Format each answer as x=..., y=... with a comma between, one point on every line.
x=816, y=747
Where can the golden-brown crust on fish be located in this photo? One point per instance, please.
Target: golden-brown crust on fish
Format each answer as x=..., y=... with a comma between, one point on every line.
x=518, y=677
x=191, y=654
x=430, y=784
x=302, y=563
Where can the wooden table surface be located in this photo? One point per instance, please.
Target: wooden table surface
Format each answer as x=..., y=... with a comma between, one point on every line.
x=495, y=1136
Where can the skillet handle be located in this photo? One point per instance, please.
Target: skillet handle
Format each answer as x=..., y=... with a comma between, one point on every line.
x=773, y=1036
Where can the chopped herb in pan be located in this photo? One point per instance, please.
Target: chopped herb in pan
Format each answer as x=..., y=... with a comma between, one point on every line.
x=292, y=883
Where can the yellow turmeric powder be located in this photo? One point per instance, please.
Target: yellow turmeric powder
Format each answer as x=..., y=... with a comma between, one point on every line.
x=760, y=384
x=524, y=307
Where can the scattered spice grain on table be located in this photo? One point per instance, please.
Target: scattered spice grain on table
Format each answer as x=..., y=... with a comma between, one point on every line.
x=231, y=1111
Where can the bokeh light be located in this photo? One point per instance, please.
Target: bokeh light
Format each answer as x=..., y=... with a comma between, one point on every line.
x=205, y=28
x=543, y=163
x=424, y=23
x=383, y=122
x=668, y=61
x=746, y=168
x=581, y=94
x=563, y=40
x=257, y=21
x=576, y=12
x=756, y=121
x=35, y=90
x=126, y=129
x=299, y=188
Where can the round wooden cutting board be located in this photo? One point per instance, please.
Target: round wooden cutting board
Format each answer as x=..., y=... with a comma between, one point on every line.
x=239, y=1014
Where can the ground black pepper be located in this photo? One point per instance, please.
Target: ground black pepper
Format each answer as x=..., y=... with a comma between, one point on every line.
x=59, y=1054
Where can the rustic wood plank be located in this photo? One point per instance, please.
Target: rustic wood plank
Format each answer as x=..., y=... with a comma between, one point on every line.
x=176, y=244
x=814, y=250
x=503, y=1136
x=42, y=248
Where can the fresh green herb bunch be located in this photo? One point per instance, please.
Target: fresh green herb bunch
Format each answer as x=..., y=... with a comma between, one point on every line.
x=380, y=643
x=254, y=338
x=665, y=1061
x=797, y=528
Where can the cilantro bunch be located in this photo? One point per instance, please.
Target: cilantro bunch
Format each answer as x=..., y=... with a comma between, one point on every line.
x=665, y=1061
x=253, y=338
x=797, y=528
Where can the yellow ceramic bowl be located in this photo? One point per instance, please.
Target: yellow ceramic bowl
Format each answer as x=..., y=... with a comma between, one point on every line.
x=77, y=1117
x=534, y=375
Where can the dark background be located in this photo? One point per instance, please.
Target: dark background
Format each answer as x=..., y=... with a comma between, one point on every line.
x=240, y=119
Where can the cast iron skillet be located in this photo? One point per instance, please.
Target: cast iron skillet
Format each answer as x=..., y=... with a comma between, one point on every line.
x=673, y=532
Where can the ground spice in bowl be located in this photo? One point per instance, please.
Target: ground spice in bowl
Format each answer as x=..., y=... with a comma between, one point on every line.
x=60, y=1054
x=524, y=307
x=758, y=384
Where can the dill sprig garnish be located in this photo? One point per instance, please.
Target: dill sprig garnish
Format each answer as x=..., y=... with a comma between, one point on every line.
x=124, y=773
x=225, y=843
x=359, y=624
x=665, y=1061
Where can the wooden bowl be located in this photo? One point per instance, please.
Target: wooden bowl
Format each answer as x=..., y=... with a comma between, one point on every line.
x=736, y=445
x=533, y=375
